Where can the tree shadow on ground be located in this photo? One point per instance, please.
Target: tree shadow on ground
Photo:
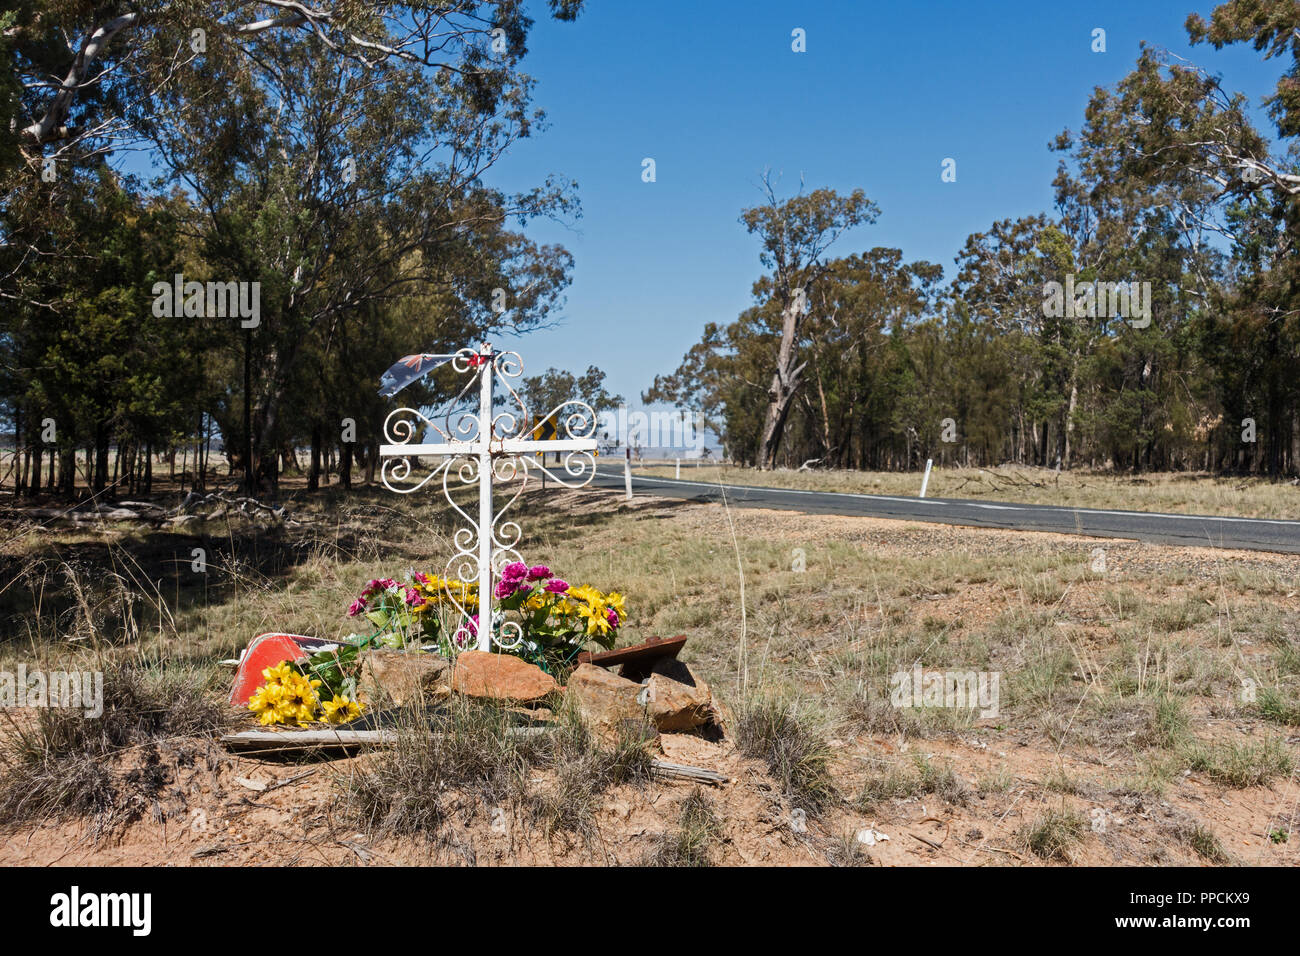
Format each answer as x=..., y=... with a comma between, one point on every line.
x=104, y=585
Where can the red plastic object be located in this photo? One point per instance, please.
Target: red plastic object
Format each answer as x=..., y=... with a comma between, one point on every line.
x=266, y=650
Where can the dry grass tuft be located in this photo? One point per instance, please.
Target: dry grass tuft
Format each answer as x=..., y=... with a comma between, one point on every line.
x=693, y=841
x=796, y=753
x=470, y=753
x=61, y=764
x=1053, y=835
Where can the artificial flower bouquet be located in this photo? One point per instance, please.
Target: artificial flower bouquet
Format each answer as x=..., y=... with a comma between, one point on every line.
x=538, y=616
x=557, y=618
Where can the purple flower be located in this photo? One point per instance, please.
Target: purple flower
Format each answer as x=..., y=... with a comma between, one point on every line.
x=556, y=586
x=612, y=616
x=538, y=572
x=514, y=571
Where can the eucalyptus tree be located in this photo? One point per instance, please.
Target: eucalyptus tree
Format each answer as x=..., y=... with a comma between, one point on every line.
x=82, y=68
x=856, y=308
x=795, y=235
x=1179, y=139
x=1000, y=278
x=544, y=392
x=343, y=188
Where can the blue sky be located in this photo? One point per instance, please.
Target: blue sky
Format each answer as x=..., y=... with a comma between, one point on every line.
x=714, y=94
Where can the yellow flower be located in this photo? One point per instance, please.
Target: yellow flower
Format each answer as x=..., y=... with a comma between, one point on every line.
x=266, y=696
x=340, y=710
x=597, y=624
x=279, y=672
x=586, y=593
x=616, y=601
x=287, y=696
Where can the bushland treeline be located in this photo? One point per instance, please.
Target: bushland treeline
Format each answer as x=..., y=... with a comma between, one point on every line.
x=310, y=186
x=1151, y=320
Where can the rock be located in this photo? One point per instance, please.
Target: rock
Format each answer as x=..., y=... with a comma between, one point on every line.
x=672, y=698
x=500, y=676
x=534, y=713
x=676, y=698
x=401, y=677
x=603, y=698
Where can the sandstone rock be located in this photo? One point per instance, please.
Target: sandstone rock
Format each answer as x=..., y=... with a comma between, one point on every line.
x=603, y=698
x=671, y=698
x=500, y=676
x=676, y=698
x=401, y=677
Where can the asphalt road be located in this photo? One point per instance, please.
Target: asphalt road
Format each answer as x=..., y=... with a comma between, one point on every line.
x=1252, y=534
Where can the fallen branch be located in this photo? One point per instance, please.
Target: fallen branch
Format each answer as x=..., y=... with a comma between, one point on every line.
x=244, y=504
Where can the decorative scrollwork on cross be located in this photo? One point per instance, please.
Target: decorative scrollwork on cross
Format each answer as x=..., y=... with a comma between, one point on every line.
x=483, y=448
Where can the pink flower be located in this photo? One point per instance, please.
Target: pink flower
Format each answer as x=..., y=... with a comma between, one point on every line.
x=375, y=585
x=556, y=586
x=413, y=598
x=538, y=572
x=356, y=607
x=467, y=631
x=505, y=589
x=514, y=571
x=612, y=617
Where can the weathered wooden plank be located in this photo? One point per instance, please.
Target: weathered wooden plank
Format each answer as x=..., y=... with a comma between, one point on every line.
x=662, y=768
x=272, y=740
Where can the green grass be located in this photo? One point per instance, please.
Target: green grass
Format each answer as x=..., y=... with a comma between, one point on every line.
x=1278, y=707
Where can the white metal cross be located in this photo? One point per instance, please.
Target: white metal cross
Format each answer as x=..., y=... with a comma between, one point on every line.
x=488, y=447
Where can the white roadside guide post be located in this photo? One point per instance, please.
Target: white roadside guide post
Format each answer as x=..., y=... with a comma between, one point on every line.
x=678, y=476
x=926, y=480
x=498, y=450
x=627, y=473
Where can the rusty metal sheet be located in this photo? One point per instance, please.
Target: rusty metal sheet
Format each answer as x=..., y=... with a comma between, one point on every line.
x=637, y=659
